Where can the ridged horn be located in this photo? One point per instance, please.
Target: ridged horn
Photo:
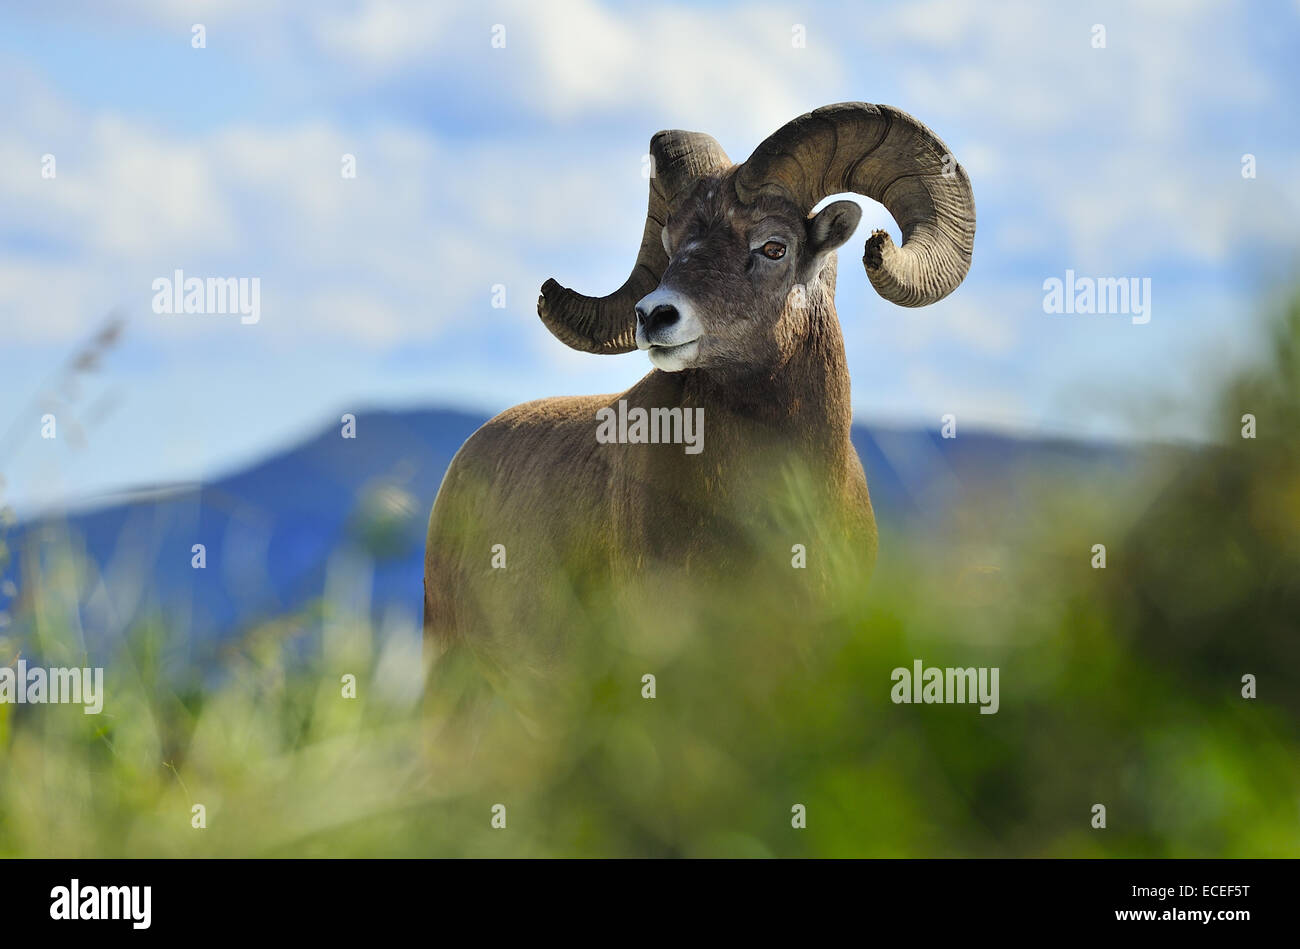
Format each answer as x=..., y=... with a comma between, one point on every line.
x=888, y=156
x=608, y=324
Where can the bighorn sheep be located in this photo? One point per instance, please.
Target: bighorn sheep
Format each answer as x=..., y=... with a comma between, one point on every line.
x=732, y=298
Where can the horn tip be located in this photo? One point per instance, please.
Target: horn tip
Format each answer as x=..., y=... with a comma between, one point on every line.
x=551, y=290
x=878, y=245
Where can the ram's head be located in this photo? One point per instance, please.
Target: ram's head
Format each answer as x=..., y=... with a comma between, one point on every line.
x=730, y=254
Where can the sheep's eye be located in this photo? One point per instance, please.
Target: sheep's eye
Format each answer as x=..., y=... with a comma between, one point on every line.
x=773, y=250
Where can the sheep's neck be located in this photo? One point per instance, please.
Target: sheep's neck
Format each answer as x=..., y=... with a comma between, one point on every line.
x=805, y=402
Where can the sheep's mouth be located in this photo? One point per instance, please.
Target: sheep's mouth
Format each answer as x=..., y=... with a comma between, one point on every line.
x=676, y=357
x=670, y=348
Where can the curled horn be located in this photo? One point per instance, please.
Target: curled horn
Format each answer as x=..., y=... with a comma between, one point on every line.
x=608, y=324
x=885, y=154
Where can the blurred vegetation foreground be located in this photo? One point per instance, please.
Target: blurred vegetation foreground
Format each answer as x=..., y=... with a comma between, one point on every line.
x=1120, y=686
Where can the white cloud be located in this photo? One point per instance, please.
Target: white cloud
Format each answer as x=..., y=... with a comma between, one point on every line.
x=44, y=301
x=414, y=241
x=380, y=35
x=571, y=58
x=1100, y=154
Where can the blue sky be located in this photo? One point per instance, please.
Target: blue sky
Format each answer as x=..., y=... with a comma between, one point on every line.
x=479, y=166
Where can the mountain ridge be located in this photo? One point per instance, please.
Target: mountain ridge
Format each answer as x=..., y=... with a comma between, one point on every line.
x=270, y=529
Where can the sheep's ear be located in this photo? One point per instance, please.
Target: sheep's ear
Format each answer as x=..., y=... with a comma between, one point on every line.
x=832, y=226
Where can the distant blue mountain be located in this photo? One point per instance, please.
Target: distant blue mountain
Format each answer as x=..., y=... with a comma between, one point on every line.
x=269, y=531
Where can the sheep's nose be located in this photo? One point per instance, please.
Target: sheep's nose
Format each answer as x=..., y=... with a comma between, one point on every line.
x=661, y=317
